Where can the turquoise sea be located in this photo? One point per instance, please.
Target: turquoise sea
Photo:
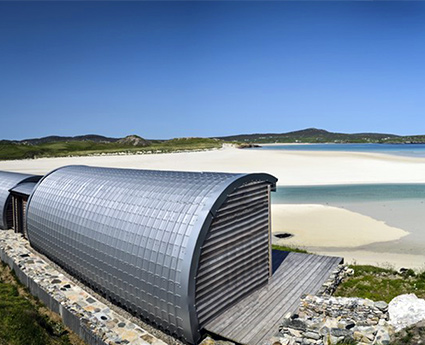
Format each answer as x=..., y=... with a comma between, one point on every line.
x=356, y=193
x=411, y=150
x=398, y=205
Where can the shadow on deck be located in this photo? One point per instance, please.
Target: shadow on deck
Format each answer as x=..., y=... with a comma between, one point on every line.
x=256, y=318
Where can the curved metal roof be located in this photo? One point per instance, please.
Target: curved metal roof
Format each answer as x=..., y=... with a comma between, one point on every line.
x=24, y=188
x=9, y=180
x=136, y=234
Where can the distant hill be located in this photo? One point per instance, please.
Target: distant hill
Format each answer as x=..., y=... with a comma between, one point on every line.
x=134, y=140
x=314, y=135
x=91, y=144
x=309, y=135
x=55, y=138
x=83, y=145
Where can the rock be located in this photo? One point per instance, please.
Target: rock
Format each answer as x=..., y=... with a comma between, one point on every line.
x=288, y=315
x=358, y=335
x=406, y=310
x=338, y=332
x=312, y=335
x=324, y=331
x=349, y=272
x=210, y=341
x=295, y=333
x=314, y=325
x=297, y=324
x=381, y=305
x=382, y=337
x=367, y=330
x=333, y=340
x=368, y=337
x=341, y=324
x=350, y=325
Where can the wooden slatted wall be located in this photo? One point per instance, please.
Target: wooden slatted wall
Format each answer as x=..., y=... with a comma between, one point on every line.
x=235, y=257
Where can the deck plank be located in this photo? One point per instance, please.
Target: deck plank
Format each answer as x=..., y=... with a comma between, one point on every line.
x=256, y=318
x=272, y=326
x=274, y=310
x=228, y=324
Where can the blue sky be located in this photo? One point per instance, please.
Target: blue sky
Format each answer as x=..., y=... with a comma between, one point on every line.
x=173, y=69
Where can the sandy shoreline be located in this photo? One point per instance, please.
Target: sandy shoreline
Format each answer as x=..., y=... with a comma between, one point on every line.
x=290, y=167
x=334, y=231
x=312, y=224
x=329, y=227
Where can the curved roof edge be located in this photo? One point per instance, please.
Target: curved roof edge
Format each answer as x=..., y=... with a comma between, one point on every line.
x=195, y=244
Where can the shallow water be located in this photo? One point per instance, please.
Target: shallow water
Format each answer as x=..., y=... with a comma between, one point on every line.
x=411, y=150
x=398, y=205
x=340, y=194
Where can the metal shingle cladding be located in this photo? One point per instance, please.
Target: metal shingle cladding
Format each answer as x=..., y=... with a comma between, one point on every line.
x=9, y=180
x=133, y=234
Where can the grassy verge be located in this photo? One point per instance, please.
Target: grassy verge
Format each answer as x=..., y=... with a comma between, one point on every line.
x=289, y=249
x=24, y=320
x=375, y=283
x=384, y=284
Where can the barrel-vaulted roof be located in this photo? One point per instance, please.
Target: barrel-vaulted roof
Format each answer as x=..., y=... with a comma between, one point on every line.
x=136, y=234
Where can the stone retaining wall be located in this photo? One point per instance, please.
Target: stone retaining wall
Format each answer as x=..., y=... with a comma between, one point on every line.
x=336, y=277
x=83, y=313
x=324, y=320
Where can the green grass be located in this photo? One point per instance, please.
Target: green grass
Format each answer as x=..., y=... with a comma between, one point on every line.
x=24, y=320
x=10, y=151
x=289, y=249
x=378, y=283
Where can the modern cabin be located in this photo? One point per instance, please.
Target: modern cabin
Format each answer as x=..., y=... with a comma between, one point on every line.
x=175, y=248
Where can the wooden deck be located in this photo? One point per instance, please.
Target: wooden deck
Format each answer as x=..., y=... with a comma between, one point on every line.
x=256, y=318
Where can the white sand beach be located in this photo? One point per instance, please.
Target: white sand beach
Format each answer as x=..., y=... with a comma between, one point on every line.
x=330, y=227
x=327, y=230
x=334, y=231
x=290, y=167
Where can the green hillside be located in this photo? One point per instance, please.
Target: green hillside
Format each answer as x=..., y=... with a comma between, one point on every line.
x=313, y=135
x=129, y=145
